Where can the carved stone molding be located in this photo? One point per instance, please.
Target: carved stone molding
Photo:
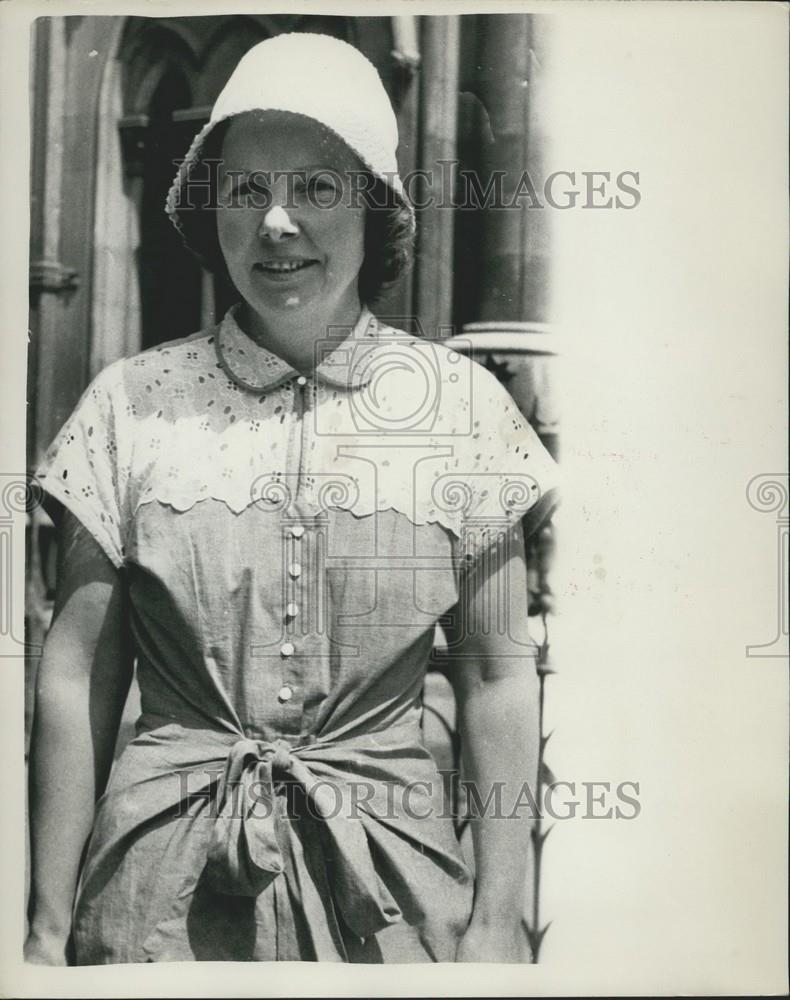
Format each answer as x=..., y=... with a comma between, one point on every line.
x=52, y=276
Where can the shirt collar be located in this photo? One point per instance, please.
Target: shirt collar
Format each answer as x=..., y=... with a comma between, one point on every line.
x=344, y=363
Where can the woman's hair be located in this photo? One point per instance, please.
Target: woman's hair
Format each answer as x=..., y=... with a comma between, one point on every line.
x=389, y=242
x=389, y=230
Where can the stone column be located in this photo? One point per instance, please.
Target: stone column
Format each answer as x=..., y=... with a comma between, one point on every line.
x=438, y=126
x=513, y=243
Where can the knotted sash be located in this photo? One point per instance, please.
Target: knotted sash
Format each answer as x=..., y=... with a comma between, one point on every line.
x=242, y=780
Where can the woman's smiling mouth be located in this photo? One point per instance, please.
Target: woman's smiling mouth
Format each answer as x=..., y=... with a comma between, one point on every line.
x=280, y=268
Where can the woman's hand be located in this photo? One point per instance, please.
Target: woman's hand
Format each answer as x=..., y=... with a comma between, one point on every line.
x=498, y=942
x=46, y=949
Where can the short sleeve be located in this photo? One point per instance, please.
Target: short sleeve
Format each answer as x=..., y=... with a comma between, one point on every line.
x=512, y=475
x=80, y=470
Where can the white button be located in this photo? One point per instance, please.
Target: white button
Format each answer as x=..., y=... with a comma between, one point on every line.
x=287, y=649
x=301, y=380
x=292, y=610
x=295, y=570
x=297, y=531
x=285, y=693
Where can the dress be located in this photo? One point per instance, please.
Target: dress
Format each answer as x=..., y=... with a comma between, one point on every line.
x=288, y=545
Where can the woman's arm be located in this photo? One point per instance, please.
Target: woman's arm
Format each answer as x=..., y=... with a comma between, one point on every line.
x=82, y=683
x=496, y=687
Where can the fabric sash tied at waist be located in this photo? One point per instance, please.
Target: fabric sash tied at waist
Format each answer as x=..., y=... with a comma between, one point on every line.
x=251, y=830
x=356, y=862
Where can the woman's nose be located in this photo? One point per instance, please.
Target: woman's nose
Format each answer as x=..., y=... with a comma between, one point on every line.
x=277, y=225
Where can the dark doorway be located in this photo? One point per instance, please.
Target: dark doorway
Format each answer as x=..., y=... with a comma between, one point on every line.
x=170, y=278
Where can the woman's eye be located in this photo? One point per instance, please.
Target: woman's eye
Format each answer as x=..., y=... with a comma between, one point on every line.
x=321, y=185
x=238, y=191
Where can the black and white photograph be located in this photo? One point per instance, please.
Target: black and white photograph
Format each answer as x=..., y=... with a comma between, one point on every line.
x=394, y=499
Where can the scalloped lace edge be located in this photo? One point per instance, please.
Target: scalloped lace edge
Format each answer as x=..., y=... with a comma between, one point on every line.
x=456, y=527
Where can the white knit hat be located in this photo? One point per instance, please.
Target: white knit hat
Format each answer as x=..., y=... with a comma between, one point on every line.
x=318, y=76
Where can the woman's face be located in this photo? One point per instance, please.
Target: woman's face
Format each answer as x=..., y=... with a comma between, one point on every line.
x=289, y=233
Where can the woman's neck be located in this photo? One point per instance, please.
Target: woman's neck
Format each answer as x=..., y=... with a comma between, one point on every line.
x=293, y=337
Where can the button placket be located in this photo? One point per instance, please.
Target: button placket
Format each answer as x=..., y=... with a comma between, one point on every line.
x=294, y=580
x=295, y=568
x=291, y=673
x=296, y=586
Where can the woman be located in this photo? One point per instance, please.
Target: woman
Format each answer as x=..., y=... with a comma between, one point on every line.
x=271, y=517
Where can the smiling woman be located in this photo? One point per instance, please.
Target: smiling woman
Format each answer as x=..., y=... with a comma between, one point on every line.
x=281, y=509
x=295, y=263
x=338, y=179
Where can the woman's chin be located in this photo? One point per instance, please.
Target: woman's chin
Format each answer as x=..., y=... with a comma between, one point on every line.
x=285, y=300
